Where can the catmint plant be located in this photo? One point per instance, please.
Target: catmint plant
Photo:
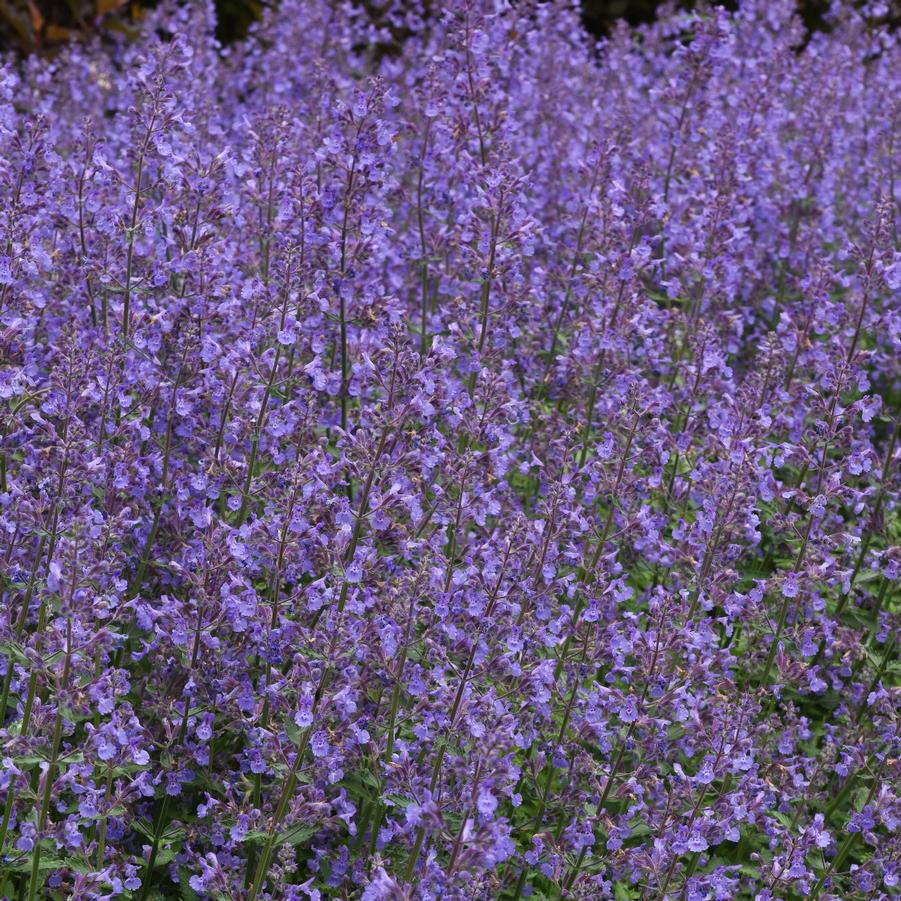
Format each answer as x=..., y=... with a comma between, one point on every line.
x=442, y=456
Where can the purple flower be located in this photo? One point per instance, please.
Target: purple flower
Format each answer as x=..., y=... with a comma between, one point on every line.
x=697, y=842
x=319, y=744
x=487, y=803
x=790, y=585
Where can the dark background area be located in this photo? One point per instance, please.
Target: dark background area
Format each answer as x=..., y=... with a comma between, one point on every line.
x=42, y=25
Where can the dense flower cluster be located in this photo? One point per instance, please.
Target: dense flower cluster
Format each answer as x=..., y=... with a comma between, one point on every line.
x=460, y=470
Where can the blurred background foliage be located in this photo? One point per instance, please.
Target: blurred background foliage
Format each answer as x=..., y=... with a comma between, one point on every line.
x=27, y=26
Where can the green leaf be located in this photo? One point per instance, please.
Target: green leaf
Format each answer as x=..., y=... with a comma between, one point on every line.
x=868, y=575
x=28, y=760
x=783, y=818
x=186, y=893
x=293, y=731
x=166, y=855
x=298, y=834
x=142, y=826
x=640, y=830
x=24, y=865
x=14, y=651
x=254, y=836
x=361, y=784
